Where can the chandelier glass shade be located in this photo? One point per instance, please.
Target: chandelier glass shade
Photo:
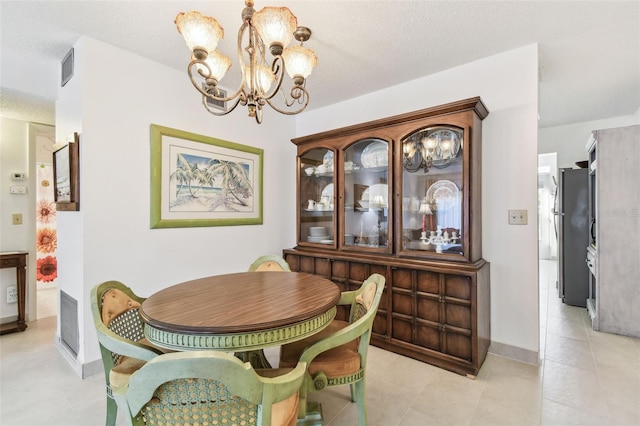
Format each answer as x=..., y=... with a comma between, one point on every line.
x=434, y=147
x=262, y=80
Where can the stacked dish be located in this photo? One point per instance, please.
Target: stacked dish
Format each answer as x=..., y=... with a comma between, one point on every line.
x=318, y=234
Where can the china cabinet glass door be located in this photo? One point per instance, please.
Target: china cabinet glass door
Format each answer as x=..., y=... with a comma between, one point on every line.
x=365, y=166
x=317, y=197
x=432, y=191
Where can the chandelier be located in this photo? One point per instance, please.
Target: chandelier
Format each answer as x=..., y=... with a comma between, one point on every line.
x=261, y=82
x=434, y=147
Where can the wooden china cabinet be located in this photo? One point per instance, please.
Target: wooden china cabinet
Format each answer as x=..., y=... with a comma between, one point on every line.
x=401, y=196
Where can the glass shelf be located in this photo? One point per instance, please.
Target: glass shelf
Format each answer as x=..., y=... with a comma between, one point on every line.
x=317, y=197
x=366, y=195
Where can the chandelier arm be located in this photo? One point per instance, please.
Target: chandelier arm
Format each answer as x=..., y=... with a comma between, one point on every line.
x=305, y=96
x=255, y=51
x=278, y=69
x=193, y=65
x=259, y=115
x=220, y=113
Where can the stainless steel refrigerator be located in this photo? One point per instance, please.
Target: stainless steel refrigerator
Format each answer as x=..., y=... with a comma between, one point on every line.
x=573, y=236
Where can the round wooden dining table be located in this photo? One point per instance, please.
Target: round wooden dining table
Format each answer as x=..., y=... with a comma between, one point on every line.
x=240, y=312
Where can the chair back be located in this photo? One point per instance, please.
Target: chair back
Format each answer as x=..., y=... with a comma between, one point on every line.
x=363, y=310
x=120, y=331
x=269, y=263
x=194, y=387
x=115, y=310
x=341, y=357
x=364, y=306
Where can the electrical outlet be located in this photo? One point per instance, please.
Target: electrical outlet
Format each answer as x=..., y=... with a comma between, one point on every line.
x=517, y=217
x=18, y=189
x=16, y=218
x=12, y=294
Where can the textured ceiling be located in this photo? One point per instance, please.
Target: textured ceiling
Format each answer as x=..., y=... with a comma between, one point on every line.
x=589, y=51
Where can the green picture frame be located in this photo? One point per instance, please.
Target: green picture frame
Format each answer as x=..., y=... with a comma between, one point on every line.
x=198, y=180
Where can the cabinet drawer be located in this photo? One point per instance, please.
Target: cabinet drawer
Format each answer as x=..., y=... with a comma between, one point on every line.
x=10, y=263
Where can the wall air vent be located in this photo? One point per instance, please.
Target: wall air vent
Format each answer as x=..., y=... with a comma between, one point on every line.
x=67, y=68
x=69, y=334
x=217, y=104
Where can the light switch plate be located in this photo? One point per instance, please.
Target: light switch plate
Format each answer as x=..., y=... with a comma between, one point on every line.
x=16, y=218
x=517, y=217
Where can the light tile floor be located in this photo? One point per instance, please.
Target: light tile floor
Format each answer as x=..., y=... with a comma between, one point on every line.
x=585, y=378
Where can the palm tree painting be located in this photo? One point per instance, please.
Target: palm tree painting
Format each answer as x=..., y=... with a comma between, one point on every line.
x=211, y=184
x=198, y=180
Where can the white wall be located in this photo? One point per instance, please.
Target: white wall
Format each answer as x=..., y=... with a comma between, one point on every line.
x=14, y=157
x=570, y=140
x=17, y=154
x=109, y=238
x=508, y=85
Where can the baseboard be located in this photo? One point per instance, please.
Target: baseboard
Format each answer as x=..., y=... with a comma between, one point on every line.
x=514, y=352
x=10, y=318
x=82, y=370
x=92, y=368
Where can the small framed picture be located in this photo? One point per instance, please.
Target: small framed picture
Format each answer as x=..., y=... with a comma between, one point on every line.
x=66, y=176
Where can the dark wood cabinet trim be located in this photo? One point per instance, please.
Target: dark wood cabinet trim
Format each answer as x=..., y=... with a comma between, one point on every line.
x=472, y=104
x=436, y=306
x=16, y=260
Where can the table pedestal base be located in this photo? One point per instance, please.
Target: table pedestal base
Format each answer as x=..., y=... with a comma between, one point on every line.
x=314, y=415
x=255, y=358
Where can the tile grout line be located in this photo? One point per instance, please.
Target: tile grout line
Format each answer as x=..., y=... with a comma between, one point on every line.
x=543, y=360
x=482, y=389
x=595, y=364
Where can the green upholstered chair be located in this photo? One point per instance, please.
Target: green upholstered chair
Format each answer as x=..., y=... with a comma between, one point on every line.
x=338, y=354
x=121, y=335
x=269, y=263
x=210, y=388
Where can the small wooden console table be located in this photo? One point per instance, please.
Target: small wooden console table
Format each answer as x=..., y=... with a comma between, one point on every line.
x=18, y=260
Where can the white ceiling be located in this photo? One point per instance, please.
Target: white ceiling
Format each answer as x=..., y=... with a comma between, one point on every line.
x=589, y=51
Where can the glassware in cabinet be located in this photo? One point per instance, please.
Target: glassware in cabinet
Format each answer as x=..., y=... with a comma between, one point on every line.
x=432, y=191
x=317, y=197
x=365, y=223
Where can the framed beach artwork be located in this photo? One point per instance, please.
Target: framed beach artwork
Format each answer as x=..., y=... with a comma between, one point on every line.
x=66, y=176
x=198, y=180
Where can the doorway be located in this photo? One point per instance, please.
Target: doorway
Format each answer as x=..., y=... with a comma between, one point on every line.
x=547, y=220
x=45, y=226
x=547, y=236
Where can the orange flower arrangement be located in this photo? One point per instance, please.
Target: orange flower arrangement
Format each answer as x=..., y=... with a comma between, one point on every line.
x=47, y=269
x=46, y=240
x=46, y=211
